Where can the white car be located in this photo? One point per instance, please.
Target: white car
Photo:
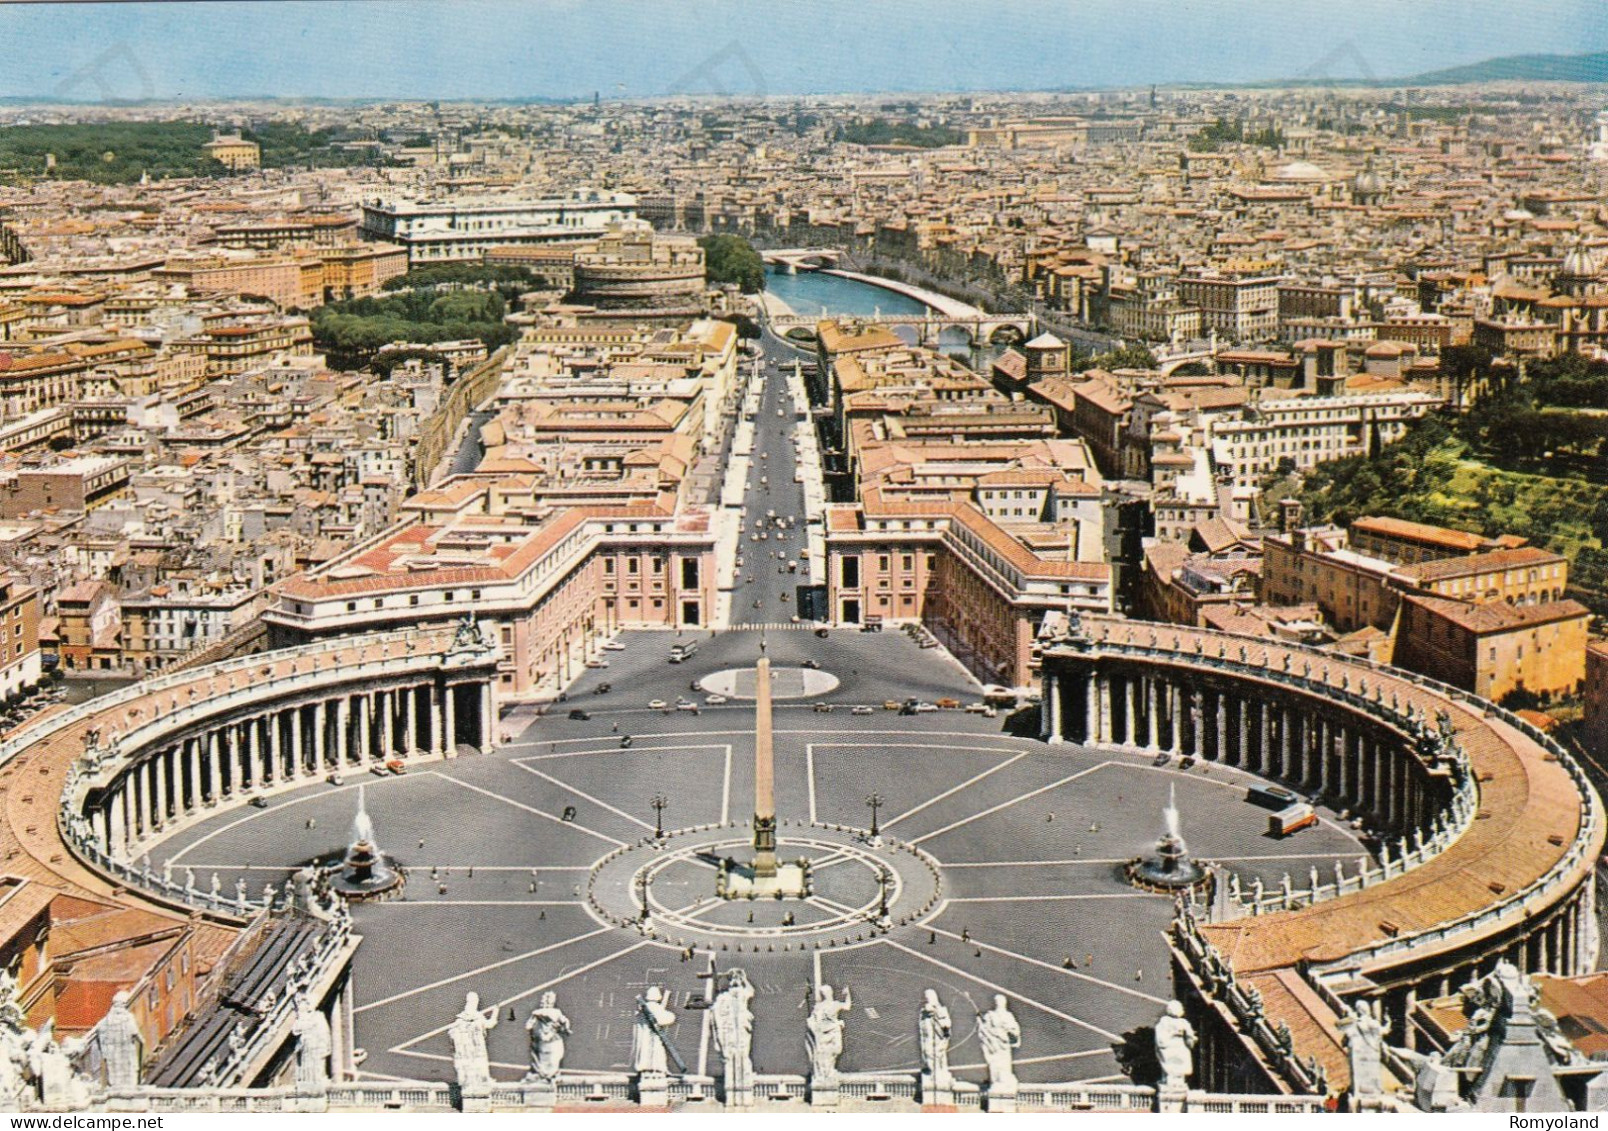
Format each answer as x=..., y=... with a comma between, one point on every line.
x=714, y=700
x=613, y=646
x=597, y=663
x=693, y=707
x=926, y=708
x=976, y=708
x=657, y=704
x=862, y=709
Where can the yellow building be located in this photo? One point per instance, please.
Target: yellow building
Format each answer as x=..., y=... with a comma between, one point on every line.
x=234, y=151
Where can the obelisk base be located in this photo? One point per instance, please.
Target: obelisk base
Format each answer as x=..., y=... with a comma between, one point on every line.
x=764, y=847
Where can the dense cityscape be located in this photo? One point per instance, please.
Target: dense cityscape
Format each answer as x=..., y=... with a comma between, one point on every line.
x=1084, y=601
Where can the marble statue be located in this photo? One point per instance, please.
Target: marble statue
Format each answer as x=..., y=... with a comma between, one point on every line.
x=733, y=1018
x=547, y=1028
x=1364, y=1037
x=823, y=1032
x=933, y=1027
x=121, y=1044
x=468, y=1035
x=51, y=1065
x=649, y=1051
x=313, y=1046
x=1175, y=1043
x=1000, y=1036
x=14, y=1039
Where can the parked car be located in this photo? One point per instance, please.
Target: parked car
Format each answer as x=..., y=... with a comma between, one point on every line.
x=613, y=646
x=862, y=709
x=823, y=708
x=949, y=704
x=976, y=708
x=714, y=700
x=822, y=633
x=333, y=779
x=657, y=704
x=259, y=803
x=603, y=688
x=813, y=665
x=926, y=708
x=580, y=716
x=597, y=663
x=891, y=704
x=693, y=707
x=396, y=766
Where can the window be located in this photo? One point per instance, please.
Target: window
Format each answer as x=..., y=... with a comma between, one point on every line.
x=851, y=572
x=631, y=565
x=689, y=573
x=414, y=599
x=608, y=566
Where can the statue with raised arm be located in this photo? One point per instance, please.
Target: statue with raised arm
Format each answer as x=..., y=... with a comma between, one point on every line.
x=933, y=1028
x=1364, y=1037
x=649, y=1050
x=1175, y=1044
x=1000, y=1036
x=823, y=1032
x=548, y=1028
x=121, y=1045
x=470, y=1059
x=733, y=1017
x=313, y=1046
x=61, y=1088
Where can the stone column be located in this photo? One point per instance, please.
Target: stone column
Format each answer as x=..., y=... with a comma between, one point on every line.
x=1091, y=709
x=1221, y=739
x=1130, y=728
x=411, y=726
x=450, y=719
x=117, y=823
x=162, y=782
x=238, y=765
x=1107, y=697
x=276, y=747
x=192, y=757
x=320, y=736
x=343, y=731
x=214, y=766
x=435, y=705
x=365, y=727
x=1153, y=712
x=488, y=718
x=298, y=752
x=388, y=723
x=1175, y=716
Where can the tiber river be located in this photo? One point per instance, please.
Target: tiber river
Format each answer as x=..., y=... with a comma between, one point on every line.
x=814, y=293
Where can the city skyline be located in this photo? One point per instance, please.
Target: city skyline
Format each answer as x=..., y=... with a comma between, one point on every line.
x=623, y=49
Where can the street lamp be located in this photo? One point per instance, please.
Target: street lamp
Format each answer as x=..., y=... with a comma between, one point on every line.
x=658, y=803
x=883, y=919
x=874, y=802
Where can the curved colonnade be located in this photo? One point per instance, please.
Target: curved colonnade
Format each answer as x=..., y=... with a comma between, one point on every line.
x=1488, y=831
x=122, y=770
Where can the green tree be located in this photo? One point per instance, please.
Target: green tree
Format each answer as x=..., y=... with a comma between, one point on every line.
x=732, y=259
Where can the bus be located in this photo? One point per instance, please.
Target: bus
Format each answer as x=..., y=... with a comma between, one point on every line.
x=1271, y=796
x=1291, y=819
x=680, y=653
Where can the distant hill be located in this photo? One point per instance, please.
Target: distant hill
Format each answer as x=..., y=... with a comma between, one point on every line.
x=1521, y=68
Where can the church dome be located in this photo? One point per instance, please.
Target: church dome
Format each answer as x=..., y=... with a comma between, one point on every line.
x=1582, y=262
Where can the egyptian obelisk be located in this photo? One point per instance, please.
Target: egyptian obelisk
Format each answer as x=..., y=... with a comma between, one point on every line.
x=764, y=777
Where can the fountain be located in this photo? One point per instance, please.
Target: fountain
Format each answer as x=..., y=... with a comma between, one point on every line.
x=365, y=872
x=1169, y=868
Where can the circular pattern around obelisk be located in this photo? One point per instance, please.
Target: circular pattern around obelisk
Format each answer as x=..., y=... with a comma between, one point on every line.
x=786, y=683
x=844, y=905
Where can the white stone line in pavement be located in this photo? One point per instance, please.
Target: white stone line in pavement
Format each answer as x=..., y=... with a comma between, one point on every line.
x=427, y=903
x=580, y=793
x=1008, y=804
x=444, y=867
x=1038, y=863
x=616, y=748
x=955, y=789
x=1014, y=995
x=529, y=809
x=1289, y=856
x=254, y=814
x=402, y=1049
x=481, y=970
x=809, y=774
x=1078, y=974
x=1057, y=898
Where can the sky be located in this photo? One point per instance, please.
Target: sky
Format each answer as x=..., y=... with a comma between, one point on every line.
x=490, y=49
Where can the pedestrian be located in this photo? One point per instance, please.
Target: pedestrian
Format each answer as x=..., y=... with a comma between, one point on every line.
x=616, y=729
x=311, y=822
x=421, y=842
x=441, y=889
x=1068, y=964
x=1088, y=960
x=1139, y=974
x=965, y=934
